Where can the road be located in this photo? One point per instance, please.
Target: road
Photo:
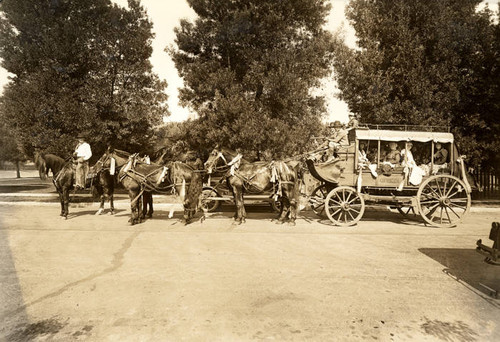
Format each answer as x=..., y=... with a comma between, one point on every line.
x=95, y=278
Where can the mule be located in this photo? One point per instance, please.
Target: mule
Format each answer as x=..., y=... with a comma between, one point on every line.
x=242, y=177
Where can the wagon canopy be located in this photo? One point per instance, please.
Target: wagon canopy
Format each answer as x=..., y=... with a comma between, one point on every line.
x=387, y=135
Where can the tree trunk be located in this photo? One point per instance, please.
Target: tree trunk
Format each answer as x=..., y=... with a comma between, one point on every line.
x=18, y=170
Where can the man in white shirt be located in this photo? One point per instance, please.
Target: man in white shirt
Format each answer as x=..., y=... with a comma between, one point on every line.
x=82, y=154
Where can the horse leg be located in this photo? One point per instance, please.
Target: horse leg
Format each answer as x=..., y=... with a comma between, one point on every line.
x=238, y=198
x=61, y=200
x=285, y=207
x=101, y=206
x=133, y=207
x=66, y=201
x=148, y=204
x=111, y=205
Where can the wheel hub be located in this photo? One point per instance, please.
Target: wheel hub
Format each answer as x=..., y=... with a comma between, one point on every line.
x=444, y=201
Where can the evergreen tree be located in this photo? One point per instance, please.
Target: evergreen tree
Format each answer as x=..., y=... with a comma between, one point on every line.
x=423, y=63
x=250, y=68
x=79, y=66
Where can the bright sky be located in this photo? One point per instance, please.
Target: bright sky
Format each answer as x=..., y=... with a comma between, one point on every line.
x=165, y=15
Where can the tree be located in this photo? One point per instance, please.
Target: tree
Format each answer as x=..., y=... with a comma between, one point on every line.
x=423, y=62
x=79, y=66
x=249, y=70
x=9, y=147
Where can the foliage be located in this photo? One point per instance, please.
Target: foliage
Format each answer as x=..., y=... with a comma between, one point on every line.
x=424, y=62
x=250, y=68
x=9, y=149
x=79, y=66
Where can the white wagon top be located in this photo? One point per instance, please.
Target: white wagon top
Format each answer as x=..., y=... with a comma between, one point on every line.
x=390, y=135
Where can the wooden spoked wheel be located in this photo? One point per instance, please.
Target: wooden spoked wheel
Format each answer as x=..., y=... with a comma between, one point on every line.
x=344, y=206
x=208, y=204
x=443, y=201
x=317, y=200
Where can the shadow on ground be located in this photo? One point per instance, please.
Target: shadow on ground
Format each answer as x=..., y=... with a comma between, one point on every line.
x=468, y=266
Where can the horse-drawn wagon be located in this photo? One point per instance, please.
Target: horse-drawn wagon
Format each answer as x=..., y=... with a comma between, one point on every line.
x=416, y=172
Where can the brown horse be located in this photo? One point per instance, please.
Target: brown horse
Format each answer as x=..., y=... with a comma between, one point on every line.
x=139, y=177
x=257, y=177
x=103, y=184
x=63, y=176
x=46, y=162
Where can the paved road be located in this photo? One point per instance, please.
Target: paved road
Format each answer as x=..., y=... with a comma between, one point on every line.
x=94, y=278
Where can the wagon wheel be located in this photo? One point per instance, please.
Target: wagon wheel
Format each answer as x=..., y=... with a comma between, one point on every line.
x=443, y=200
x=317, y=200
x=344, y=206
x=207, y=203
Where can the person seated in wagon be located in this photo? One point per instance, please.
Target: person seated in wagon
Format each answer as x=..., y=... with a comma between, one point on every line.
x=338, y=138
x=393, y=157
x=440, y=158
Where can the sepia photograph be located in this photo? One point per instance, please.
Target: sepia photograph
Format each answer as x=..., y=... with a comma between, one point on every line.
x=250, y=170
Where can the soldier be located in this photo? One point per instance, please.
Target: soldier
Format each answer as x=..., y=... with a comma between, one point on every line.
x=82, y=155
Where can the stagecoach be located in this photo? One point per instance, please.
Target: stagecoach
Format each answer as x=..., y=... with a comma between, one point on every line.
x=416, y=186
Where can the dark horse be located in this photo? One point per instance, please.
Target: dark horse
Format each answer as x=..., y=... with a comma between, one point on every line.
x=245, y=177
x=105, y=173
x=46, y=162
x=63, y=176
x=138, y=177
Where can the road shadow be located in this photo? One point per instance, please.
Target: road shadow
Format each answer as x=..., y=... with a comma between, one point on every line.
x=371, y=215
x=469, y=267
x=92, y=212
x=12, y=309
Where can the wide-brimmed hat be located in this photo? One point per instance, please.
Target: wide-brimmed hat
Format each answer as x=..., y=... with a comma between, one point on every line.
x=335, y=124
x=80, y=136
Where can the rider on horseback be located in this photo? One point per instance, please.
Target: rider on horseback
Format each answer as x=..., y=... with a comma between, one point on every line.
x=82, y=155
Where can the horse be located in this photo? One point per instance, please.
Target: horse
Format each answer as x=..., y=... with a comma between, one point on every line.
x=139, y=177
x=257, y=177
x=46, y=162
x=103, y=184
x=63, y=176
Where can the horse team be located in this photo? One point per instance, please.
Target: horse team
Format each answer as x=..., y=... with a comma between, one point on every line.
x=142, y=179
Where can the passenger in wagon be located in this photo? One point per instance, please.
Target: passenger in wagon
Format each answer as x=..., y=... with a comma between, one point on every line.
x=411, y=169
x=365, y=162
x=441, y=155
x=394, y=156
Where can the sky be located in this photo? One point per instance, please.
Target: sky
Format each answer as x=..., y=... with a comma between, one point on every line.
x=166, y=14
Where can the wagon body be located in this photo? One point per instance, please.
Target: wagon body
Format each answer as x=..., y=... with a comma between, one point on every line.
x=379, y=182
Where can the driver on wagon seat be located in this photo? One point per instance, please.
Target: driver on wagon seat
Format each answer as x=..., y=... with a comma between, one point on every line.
x=337, y=138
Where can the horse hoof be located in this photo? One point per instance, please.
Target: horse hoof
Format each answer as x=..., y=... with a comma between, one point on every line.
x=111, y=213
x=99, y=212
x=292, y=223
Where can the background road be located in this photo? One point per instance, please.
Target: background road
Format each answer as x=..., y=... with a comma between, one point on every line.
x=95, y=278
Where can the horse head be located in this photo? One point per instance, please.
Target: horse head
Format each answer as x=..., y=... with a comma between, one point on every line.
x=41, y=165
x=219, y=160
